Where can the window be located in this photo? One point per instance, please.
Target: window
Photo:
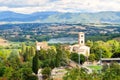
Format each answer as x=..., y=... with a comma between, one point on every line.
x=81, y=41
x=81, y=35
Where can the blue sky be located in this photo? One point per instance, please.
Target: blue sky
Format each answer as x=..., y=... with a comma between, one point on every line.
x=30, y=6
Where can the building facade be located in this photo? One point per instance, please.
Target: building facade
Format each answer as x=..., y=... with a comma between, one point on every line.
x=81, y=48
x=42, y=45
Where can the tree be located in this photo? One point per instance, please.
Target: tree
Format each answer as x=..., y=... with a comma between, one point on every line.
x=61, y=57
x=77, y=74
x=58, y=57
x=82, y=58
x=89, y=43
x=117, y=53
x=51, y=61
x=16, y=75
x=3, y=55
x=75, y=57
x=14, y=60
x=2, y=70
x=114, y=45
x=8, y=72
x=35, y=64
x=101, y=49
x=27, y=74
x=113, y=72
x=23, y=48
x=46, y=72
x=32, y=51
x=26, y=54
x=92, y=57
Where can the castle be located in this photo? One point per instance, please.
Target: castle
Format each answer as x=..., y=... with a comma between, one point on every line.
x=81, y=48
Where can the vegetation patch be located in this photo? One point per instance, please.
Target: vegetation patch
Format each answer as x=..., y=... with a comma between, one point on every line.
x=96, y=68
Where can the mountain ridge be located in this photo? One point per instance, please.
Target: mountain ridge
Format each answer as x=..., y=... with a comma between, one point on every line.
x=60, y=17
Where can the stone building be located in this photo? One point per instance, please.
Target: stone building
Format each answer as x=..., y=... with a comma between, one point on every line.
x=41, y=45
x=81, y=48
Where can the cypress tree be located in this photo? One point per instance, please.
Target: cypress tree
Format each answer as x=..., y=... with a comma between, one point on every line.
x=35, y=64
x=23, y=48
x=26, y=54
x=32, y=51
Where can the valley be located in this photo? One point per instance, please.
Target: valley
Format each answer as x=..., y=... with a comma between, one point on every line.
x=47, y=31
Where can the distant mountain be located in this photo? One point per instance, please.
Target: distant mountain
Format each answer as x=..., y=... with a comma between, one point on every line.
x=59, y=17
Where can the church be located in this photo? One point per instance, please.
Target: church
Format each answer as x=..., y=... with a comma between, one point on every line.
x=80, y=48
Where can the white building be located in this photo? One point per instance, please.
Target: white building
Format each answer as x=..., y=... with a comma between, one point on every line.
x=81, y=48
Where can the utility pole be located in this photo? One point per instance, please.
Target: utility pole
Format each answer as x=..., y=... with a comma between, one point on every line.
x=79, y=58
x=100, y=58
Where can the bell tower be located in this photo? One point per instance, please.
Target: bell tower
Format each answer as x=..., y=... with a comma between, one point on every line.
x=81, y=39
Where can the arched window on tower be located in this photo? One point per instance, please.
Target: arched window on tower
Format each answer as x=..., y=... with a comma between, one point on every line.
x=81, y=41
x=81, y=35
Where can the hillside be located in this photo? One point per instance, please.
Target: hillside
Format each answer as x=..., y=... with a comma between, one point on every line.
x=117, y=39
x=3, y=42
x=59, y=17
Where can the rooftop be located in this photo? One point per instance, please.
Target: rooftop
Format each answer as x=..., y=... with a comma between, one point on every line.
x=110, y=58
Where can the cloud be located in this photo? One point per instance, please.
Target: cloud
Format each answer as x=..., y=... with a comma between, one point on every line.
x=22, y=3
x=29, y=6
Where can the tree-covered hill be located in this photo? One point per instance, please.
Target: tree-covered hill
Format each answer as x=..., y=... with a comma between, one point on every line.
x=59, y=17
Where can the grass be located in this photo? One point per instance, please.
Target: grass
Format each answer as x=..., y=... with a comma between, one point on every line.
x=96, y=68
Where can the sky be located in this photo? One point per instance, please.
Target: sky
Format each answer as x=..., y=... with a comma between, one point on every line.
x=31, y=6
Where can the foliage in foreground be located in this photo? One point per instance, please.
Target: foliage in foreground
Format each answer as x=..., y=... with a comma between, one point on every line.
x=21, y=64
x=109, y=72
x=17, y=65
